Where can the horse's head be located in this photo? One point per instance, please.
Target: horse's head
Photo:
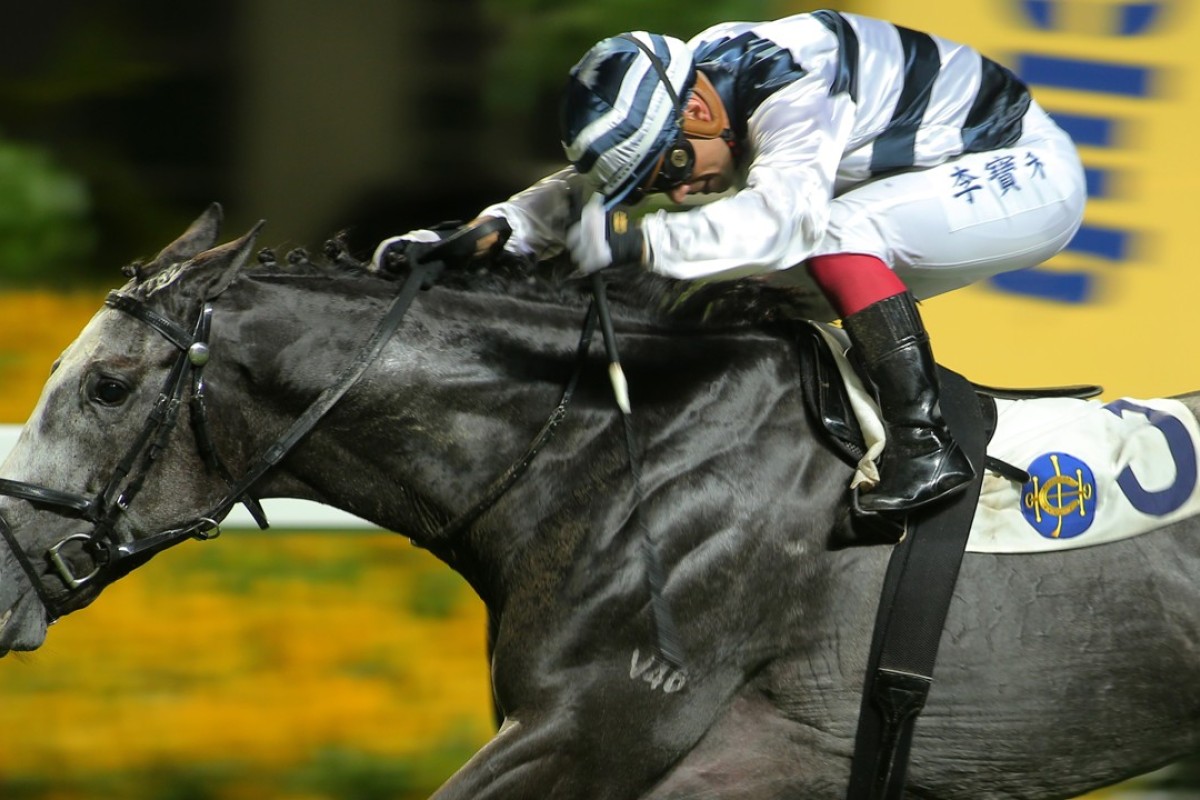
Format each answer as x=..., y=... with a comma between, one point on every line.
x=84, y=496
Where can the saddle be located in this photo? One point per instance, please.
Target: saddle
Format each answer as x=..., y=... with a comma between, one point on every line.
x=832, y=411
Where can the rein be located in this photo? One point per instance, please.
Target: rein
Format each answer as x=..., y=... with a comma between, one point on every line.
x=112, y=558
x=506, y=479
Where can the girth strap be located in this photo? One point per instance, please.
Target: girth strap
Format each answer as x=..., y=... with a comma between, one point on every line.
x=1081, y=391
x=916, y=595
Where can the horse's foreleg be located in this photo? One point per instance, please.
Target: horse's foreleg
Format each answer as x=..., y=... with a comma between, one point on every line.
x=754, y=753
x=521, y=761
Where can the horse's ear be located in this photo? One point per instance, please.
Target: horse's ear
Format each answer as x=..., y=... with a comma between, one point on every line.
x=201, y=235
x=216, y=268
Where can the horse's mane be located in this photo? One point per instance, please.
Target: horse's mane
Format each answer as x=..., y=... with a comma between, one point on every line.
x=633, y=292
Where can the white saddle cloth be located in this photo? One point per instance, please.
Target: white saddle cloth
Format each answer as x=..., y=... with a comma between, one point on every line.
x=1099, y=471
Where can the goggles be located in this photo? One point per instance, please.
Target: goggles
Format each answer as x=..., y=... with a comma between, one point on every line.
x=674, y=168
x=677, y=163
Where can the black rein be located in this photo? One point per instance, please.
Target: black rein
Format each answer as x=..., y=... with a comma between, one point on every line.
x=113, y=558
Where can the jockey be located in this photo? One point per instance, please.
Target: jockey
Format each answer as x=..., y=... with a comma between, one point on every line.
x=882, y=164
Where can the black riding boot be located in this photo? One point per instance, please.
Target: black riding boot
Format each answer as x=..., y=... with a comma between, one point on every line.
x=921, y=461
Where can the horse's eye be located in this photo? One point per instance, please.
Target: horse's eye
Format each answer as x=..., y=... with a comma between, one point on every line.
x=109, y=392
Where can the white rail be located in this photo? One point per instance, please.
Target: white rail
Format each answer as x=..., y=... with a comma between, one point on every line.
x=283, y=514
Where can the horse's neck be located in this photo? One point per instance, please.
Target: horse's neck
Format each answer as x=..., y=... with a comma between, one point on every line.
x=451, y=403
x=464, y=388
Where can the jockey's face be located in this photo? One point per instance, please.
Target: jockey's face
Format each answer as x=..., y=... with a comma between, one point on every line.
x=714, y=171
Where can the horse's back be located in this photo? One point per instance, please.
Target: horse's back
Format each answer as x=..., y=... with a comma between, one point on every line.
x=1066, y=669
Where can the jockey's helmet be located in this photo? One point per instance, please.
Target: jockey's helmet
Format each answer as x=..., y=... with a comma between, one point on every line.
x=622, y=112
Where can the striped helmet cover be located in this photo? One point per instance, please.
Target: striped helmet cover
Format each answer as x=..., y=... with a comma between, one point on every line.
x=617, y=116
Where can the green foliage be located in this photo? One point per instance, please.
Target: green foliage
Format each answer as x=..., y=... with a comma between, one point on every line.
x=1182, y=777
x=349, y=774
x=247, y=571
x=437, y=595
x=44, y=216
x=539, y=40
x=94, y=98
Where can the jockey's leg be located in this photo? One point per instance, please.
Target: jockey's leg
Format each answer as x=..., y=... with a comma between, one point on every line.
x=921, y=462
x=930, y=231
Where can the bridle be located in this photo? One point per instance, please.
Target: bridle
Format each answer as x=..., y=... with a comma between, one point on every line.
x=112, y=558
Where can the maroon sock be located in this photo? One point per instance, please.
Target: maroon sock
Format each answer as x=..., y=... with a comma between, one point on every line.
x=852, y=281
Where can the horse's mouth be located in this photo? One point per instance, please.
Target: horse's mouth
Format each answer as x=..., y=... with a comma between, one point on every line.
x=21, y=627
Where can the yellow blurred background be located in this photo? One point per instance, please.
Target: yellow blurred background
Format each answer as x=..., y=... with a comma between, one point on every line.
x=306, y=665
x=1122, y=78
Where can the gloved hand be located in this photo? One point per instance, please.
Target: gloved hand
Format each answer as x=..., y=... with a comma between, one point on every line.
x=401, y=252
x=604, y=238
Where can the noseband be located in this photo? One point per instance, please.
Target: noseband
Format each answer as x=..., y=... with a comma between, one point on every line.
x=110, y=557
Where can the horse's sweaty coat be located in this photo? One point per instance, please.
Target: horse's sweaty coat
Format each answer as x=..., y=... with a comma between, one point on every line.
x=1034, y=698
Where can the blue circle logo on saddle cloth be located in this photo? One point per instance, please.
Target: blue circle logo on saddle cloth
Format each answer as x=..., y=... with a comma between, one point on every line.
x=1059, y=500
x=1099, y=472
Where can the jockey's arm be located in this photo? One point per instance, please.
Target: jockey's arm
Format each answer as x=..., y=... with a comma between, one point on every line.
x=540, y=215
x=777, y=219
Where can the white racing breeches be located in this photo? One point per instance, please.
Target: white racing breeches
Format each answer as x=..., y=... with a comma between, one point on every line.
x=956, y=223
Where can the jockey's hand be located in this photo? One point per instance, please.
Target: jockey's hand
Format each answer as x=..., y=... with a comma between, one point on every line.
x=399, y=253
x=604, y=238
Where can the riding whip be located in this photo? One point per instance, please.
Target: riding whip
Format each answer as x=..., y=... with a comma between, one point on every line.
x=616, y=375
x=668, y=636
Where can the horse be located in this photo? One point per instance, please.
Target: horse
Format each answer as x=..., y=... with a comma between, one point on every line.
x=481, y=425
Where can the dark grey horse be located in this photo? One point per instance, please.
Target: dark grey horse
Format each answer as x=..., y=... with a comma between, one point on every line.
x=1057, y=673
